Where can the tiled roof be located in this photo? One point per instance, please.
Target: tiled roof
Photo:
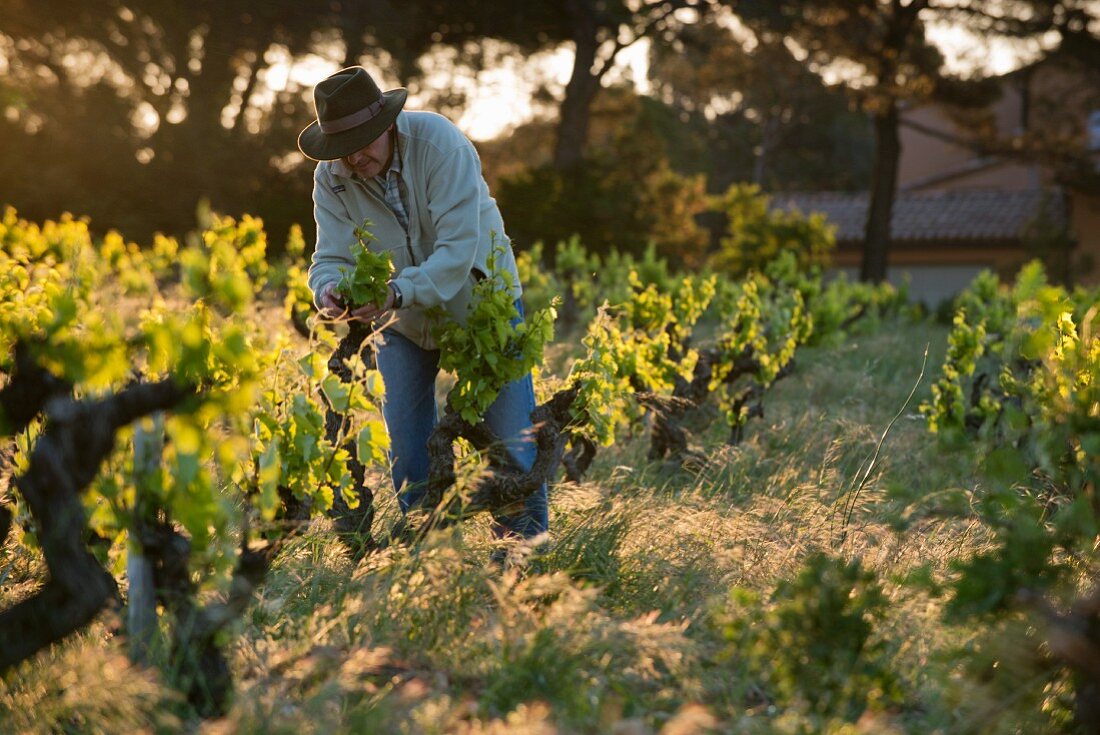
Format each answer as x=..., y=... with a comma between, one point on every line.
x=969, y=215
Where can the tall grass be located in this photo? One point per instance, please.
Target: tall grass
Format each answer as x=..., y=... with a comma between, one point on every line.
x=622, y=621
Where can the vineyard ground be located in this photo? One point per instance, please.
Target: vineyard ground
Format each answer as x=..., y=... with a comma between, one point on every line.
x=615, y=624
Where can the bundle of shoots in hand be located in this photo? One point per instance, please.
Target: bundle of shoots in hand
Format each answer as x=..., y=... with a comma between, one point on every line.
x=367, y=283
x=493, y=348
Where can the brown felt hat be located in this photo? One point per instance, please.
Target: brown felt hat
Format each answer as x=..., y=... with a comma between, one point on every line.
x=351, y=113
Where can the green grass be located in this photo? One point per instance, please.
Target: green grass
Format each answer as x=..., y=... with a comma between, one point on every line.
x=623, y=621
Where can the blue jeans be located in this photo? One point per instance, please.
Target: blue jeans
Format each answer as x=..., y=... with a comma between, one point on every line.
x=409, y=409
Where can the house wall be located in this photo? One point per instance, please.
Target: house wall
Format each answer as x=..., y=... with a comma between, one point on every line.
x=928, y=284
x=1062, y=96
x=934, y=274
x=1002, y=175
x=1002, y=258
x=925, y=156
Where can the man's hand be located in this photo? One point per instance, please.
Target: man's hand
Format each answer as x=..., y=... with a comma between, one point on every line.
x=370, y=312
x=332, y=307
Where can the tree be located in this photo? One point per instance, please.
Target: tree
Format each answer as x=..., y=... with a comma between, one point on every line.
x=881, y=51
x=176, y=94
x=1066, y=90
x=594, y=24
x=133, y=111
x=627, y=195
x=754, y=93
x=597, y=29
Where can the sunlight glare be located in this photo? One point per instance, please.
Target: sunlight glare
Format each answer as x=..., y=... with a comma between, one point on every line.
x=145, y=120
x=967, y=53
x=498, y=99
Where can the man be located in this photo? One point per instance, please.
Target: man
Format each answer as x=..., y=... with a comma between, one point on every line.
x=417, y=179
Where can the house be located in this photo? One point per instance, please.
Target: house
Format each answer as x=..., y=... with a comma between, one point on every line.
x=960, y=210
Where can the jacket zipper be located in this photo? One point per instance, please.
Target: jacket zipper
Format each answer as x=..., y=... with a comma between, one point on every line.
x=425, y=336
x=386, y=206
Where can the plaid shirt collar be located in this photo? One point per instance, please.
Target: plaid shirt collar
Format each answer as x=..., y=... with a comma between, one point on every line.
x=395, y=165
x=393, y=189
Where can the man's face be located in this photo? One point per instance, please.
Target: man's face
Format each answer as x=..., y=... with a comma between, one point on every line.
x=373, y=160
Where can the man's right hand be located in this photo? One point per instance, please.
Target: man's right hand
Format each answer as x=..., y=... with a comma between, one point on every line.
x=332, y=307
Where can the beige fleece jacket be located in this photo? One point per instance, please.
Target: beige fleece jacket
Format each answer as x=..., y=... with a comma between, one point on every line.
x=454, y=223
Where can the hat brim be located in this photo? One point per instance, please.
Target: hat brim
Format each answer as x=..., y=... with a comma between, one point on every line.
x=320, y=146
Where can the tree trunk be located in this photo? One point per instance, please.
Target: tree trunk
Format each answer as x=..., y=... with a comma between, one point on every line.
x=141, y=603
x=356, y=47
x=884, y=180
x=769, y=135
x=254, y=61
x=66, y=459
x=576, y=108
x=209, y=90
x=353, y=525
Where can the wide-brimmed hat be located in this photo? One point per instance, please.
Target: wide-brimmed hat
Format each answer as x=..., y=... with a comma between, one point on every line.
x=351, y=113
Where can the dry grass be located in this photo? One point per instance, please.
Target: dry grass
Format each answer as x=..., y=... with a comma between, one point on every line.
x=610, y=627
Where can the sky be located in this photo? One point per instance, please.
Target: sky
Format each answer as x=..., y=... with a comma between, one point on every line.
x=964, y=52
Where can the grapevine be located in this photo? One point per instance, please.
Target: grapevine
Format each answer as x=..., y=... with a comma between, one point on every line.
x=238, y=457
x=1020, y=380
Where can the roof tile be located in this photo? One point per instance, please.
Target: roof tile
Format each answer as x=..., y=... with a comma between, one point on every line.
x=975, y=214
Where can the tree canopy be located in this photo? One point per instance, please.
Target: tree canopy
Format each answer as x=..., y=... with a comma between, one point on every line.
x=134, y=112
